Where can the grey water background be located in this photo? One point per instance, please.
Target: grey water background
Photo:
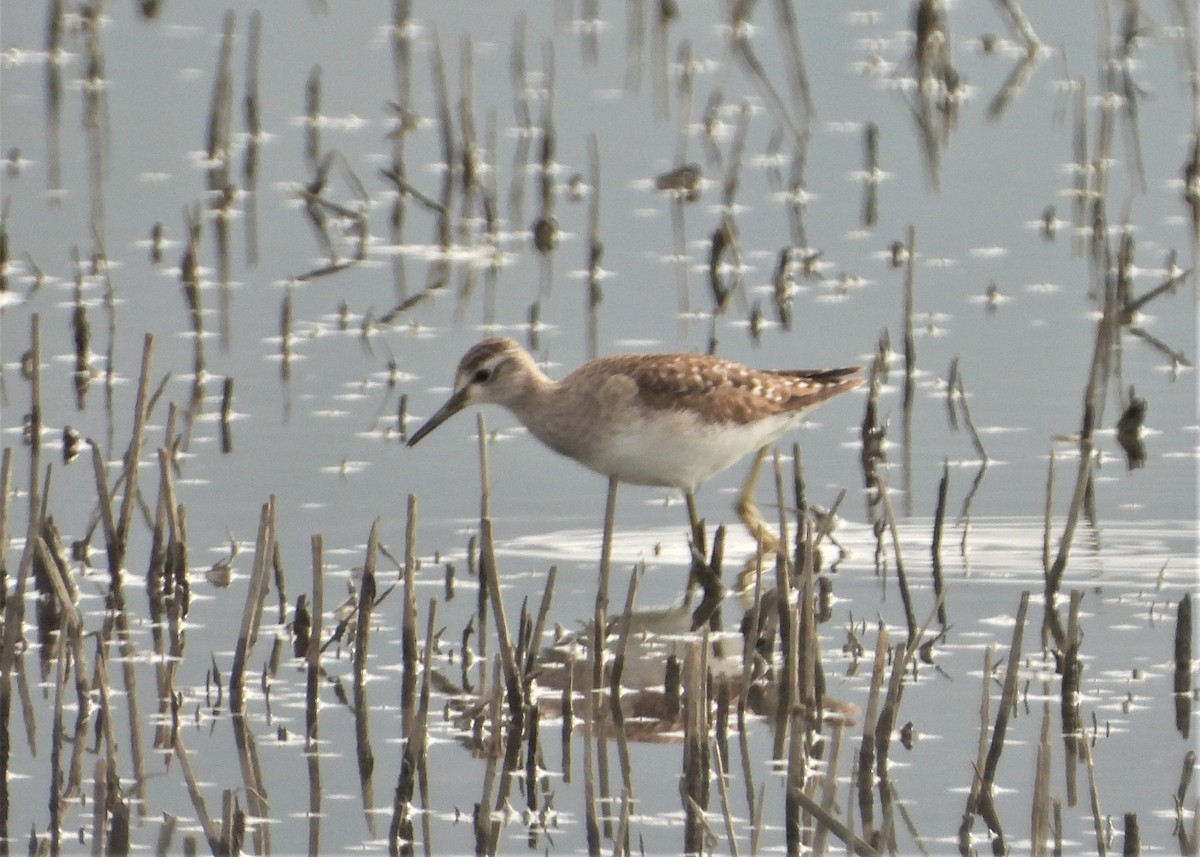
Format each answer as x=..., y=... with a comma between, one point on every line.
x=325, y=443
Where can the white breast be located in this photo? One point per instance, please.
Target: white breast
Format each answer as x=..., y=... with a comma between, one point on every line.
x=674, y=449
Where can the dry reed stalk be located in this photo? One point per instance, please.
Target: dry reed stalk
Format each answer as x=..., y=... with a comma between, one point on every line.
x=99, y=804
x=888, y=715
x=250, y=117
x=600, y=613
x=910, y=364
x=864, y=777
x=935, y=549
x=614, y=691
x=489, y=578
x=808, y=642
x=795, y=826
x=843, y=832
x=590, y=821
x=568, y=713
x=694, y=784
x=1183, y=665
x=539, y=626
x=366, y=605
x=446, y=132
x=1072, y=721
x=985, y=719
x=1040, y=812
x=532, y=756
x=1133, y=836
x=57, y=740
x=252, y=611
x=1008, y=700
x=33, y=428
x=312, y=677
x=1185, y=781
x=5, y=487
x=408, y=624
x=870, y=203
x=828, y=788
x=901, y=577
x=595, y=247
x=14, y=615
x=105, y=713
x=723, y=791
x=221, y=98
x=312, y=114
x=116, y=555
x=1093, y=403
x=1048, y=513
x=415, y=748
x=226, y=407
x=788, y=630
x=1093, y=795
x=166, y=833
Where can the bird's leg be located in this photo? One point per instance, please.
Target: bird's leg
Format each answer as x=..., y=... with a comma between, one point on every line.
x=748, y=512
x=697, y=545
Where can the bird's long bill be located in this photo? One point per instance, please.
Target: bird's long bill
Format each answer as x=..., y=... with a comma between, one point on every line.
x=453, y=405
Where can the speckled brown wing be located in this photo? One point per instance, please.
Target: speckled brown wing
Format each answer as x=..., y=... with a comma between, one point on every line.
x=720, y=391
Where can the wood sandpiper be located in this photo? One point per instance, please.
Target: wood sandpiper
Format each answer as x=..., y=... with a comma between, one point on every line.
x=669, y=420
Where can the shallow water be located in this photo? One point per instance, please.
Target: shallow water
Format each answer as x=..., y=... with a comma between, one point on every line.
x=318, y=365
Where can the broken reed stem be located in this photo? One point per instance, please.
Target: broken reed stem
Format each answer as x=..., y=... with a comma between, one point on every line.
x=1093, y=794
x=723, y=791
x=226, y=407
x=408, y=625
x=211, y=832
x=883, y=738
x=966, y=412
x=5, y=483
x=829, y=786
x=935, y=548
x=985, y=722
x=313, y=653
x=1093, y=403
x=362, y=629
x=484, y=824
x=808, y=642
x=600, y=614
x=788, y=624
x=415, y=746
x=252, y=611
x=104, y=501
x=132, y=456
x=1048, y=513
x=614, y=703
x=910, y=363
x=99, y=804
x=694, y=784
x=539, y=626
x=35, y=419
x=1183, y=665
x=489, y=575
x=835, y=826
x=901, y=578
x=1007, y=705
x=1039, y=821
x=864, y=777
x=590, y=820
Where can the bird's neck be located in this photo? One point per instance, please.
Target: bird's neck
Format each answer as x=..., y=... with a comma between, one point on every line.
x=544, y=410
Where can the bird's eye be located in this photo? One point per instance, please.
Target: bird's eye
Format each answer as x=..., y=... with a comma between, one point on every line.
x=482, y=375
